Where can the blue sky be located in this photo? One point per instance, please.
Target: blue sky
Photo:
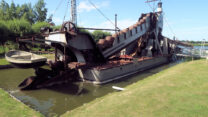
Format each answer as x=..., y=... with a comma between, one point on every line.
x=188, y=19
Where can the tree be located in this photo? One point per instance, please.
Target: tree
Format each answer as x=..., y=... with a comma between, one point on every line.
x=26, y=12
x=49, y=20
x=19, y=27
x=29, y=13
x=100, y=35
x=3, y=32
x=40, y=11
x=4, y=5
x=12, y=11
x=4, y=8
x=84, y=30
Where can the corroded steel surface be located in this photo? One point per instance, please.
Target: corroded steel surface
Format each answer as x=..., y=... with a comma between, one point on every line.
x=122, y=60
x=103, y=45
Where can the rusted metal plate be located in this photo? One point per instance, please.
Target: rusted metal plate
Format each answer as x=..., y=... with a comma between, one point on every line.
x=76, y=65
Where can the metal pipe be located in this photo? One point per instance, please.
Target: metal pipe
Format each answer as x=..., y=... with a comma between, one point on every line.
x=74, y=12
x=150, y=1
x=115, y=23
x=43, y=40
x=99, y=29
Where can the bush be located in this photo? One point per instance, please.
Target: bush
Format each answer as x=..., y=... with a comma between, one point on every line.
x=37, y=26
x=19, y=28
x=56, y=27
x=10, y=45
x=100, y=35
x=84, y=31
x=4, y=32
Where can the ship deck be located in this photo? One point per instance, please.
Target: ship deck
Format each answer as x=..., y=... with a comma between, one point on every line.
x=114, y=62
x=120, y=62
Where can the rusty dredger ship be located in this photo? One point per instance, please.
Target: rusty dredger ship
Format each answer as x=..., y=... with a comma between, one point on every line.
x=136, y=48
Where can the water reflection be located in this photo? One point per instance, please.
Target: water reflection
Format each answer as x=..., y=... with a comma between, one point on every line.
x=69, y=88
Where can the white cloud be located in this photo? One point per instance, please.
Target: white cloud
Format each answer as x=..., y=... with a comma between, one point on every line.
x=85, y=6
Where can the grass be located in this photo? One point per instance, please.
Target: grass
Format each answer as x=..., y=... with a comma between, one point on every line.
x=49, y=56
x=13, y=108
x=3, y=50
x=180, y=91
x=3, y=61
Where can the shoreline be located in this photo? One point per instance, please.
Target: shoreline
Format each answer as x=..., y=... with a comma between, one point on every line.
x=11, y=106
x=167, y=93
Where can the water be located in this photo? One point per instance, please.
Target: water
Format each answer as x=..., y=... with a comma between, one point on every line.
x=61, y=98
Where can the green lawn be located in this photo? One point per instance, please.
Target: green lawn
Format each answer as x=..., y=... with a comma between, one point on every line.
x=3, y=50
x=49, y=56
x=3, y=61
x=180, y=91
x=10, y=107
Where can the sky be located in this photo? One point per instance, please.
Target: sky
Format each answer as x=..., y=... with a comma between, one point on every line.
x=184, y=19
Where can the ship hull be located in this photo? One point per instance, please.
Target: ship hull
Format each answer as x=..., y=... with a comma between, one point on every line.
x=101, y=76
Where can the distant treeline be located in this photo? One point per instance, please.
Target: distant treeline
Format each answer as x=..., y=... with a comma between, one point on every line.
x=196, y=43
x=97, y=34
x=21, y=20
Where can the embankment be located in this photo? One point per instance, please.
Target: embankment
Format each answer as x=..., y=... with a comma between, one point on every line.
x=180, y=91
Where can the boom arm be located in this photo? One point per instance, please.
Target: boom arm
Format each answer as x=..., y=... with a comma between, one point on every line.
x=129, y=35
